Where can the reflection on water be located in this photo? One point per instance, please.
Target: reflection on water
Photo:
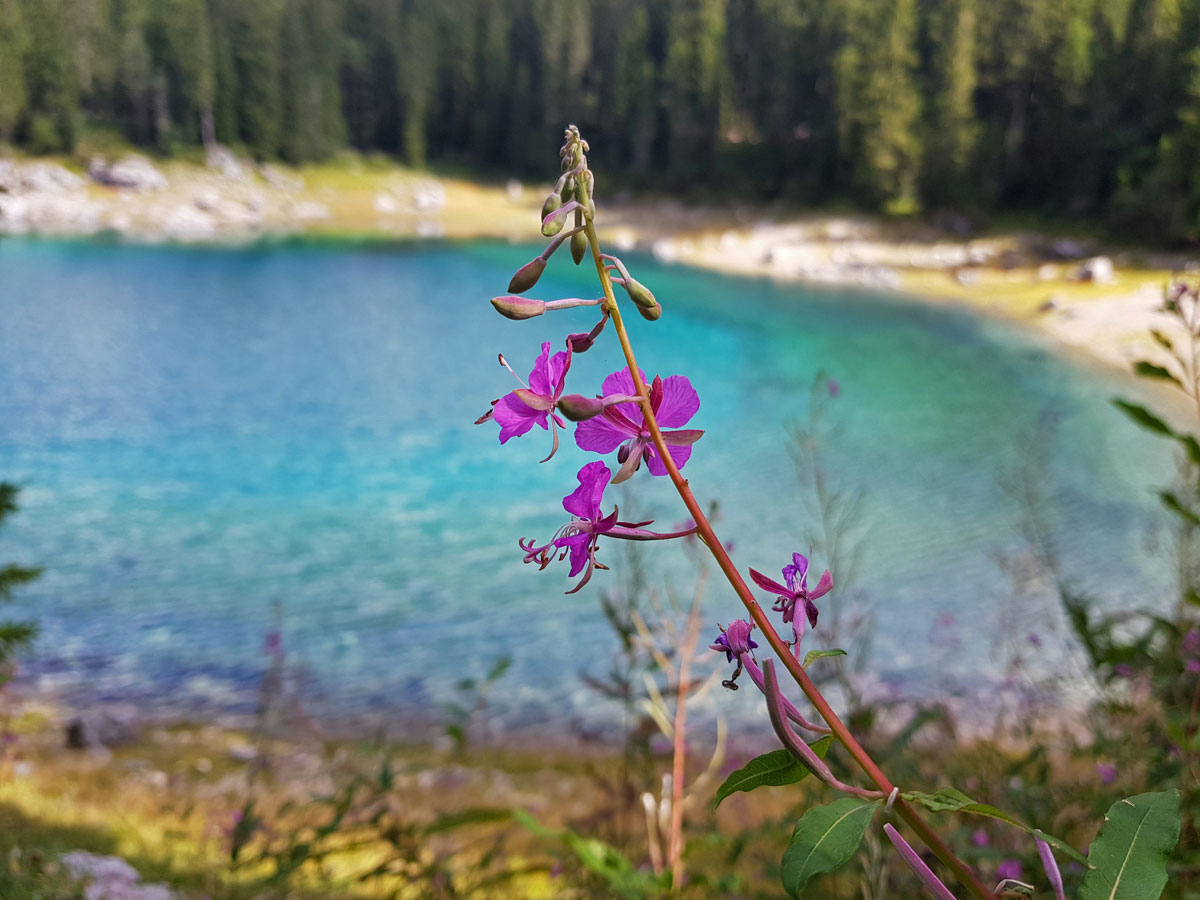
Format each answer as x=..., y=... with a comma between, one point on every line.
x=204, y=434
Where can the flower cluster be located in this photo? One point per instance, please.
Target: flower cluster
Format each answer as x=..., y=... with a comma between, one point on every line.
x=612, y=420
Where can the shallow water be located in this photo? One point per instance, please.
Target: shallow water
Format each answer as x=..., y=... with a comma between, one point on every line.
x=205, y=435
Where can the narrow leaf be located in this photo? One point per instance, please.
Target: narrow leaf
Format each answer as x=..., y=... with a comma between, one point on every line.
x=1162, y=339
x=1171, y=502
x=772, y=769
x=824, y=840
x=1129, y=857
x=1144, y=417
x=821, y=654
x=1150, y=370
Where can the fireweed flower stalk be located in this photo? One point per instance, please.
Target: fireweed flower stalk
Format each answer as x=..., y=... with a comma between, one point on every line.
x=644, y=410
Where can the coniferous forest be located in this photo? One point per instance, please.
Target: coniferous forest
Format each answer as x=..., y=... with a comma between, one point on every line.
x=1065, y=107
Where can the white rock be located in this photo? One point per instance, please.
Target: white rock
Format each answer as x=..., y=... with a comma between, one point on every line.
x=225, y=161
x=308, y=211
x=429, y=196
x=386, y=203
x=1098, y=269
x=133, y=173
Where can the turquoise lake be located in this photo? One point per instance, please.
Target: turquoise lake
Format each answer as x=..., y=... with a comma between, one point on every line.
x=204, y=436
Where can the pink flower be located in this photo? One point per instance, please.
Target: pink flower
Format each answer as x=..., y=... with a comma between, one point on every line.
x=1107, y=772
x=734, y=641
x=674, y=402
x=797, y=591
x=517, y=412
x=1009, y=868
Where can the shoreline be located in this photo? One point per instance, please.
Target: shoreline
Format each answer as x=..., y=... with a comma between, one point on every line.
x=1093, y=299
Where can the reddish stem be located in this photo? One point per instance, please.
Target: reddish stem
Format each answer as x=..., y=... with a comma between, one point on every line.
x=705, y=531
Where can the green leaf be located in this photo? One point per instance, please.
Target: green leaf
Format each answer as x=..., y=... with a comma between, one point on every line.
x=1129, y=856
x=1144, y=417
x=1173, y=503
x=825, y=839
x=821, y=654
x=1162, y=339
x=953, y=800
x=1150, y=370
x=772, y=769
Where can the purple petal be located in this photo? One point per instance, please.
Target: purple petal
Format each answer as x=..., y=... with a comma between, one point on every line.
x=557, y=373
x=682, y=438
x=655, y=464
x=622, y=383
x=599, y=434
x=680, y=402
x=578, y=545
x=810, y=610
x=794, y=572
x=515, y=417
x=539, y=377
x=584, y=501
x=768, y=585
x=824, y=586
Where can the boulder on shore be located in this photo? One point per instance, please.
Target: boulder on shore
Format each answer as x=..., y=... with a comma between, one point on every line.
x=132, y=173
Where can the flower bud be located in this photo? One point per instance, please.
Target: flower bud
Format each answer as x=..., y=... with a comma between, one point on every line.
x=568, y=190
x=652, y=314
x=640, y=294
x=579, y=246
x=580, y=341
x=576, y=407
x=553, y=223
x=527, y=276
x=552, y=203
x=518, y=307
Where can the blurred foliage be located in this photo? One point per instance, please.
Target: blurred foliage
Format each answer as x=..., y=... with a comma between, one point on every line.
x=1089, y=108
x=13, y=635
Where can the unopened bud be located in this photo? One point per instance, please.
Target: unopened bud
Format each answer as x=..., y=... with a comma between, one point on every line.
x=569, y=189
x=552, y=203
x=553, y=223
x=652, y=314
x=640, y=294
x=579, y=246
x=519, y=307
x=527, y=276
x=580, y=342
x=576, y=407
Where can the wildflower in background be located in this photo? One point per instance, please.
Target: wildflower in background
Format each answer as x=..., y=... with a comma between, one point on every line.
x=1107, y=772
x=795, y=575
x=533, y=404
x=1009, y=868
x=1191, y=651
x=674, y=402
x=979, y=838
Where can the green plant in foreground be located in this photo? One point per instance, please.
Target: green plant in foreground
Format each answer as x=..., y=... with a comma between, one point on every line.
x=13, y=635
x=1128, y=861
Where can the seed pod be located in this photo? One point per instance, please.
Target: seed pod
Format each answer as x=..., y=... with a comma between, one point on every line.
x=580, y=341
x=579, y=244
x=576, y=407
x=519, y=307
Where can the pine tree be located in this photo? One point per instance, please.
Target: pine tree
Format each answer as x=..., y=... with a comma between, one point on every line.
x=694, y=86
x=14, y=43
x=953, y=129
x=14, y=636
x=878, y=102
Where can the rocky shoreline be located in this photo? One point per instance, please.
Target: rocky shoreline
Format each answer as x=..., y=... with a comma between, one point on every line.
x=1084, y=295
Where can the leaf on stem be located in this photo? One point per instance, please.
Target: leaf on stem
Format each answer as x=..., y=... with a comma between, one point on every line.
x=1151, y=370
x=1129, y=856
x=821, y=654
x=825, y=839
x=779, y=767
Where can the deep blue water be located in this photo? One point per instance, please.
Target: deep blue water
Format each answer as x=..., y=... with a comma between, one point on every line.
x=204, y=435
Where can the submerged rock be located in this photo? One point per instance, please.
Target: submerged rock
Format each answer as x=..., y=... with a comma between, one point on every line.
x=107, y=726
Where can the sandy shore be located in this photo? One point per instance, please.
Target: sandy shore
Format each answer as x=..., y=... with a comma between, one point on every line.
x=1099, y=300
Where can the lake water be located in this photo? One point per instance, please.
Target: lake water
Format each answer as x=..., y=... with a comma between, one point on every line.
x=204, y=436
